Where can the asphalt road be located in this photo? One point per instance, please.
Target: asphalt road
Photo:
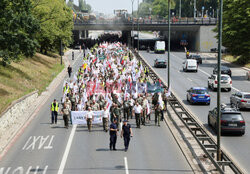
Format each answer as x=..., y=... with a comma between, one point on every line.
x=43, y=148
x=237, y=146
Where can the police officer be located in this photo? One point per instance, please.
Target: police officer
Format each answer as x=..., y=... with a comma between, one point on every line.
x=126, y=133
x=54, y=111
x=113, y=135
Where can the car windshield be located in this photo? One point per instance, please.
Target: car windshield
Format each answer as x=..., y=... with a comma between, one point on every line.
x=199, y=91
x=224, y=68
x=196, y=56
x=224, y=78
x=247, y=96
x=231, y=116
x=160, y=60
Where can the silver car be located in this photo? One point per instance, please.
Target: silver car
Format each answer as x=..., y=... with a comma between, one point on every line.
x=240, y=100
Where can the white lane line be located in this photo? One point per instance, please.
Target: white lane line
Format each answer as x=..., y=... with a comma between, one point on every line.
x=66, y=152
x=126, y=165
x=190, y=79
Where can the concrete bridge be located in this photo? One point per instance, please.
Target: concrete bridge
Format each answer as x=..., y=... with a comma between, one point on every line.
x=198, y=33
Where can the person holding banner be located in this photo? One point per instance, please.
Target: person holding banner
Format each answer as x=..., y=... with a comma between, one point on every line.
x=89, y=117
x=105, y=119
x=113, y=131
x=65, y=112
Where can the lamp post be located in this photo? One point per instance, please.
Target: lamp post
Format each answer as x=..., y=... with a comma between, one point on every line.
x=132, y=38
x=219, y=86
x=138, y=42
x=168, y=43
x=194, y=8
x=180, y=10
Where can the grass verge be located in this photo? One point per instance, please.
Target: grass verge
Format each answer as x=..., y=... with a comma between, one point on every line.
x=236, y=60
x=21, y=78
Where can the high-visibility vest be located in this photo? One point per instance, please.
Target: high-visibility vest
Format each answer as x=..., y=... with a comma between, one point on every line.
x=145, y=69
x=54, y=108
x=66, y=89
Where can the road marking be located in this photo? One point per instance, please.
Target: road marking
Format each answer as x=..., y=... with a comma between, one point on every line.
x=22, y=170
x=190, y=79
x=66, y=152
x=39, y=142
x=126, y=165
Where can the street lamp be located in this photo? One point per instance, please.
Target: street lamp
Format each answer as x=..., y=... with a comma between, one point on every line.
x=168, y=44
x=132, y=38
x=180, y=10
x=138, y=47
x=194, y=8
x=219, y=86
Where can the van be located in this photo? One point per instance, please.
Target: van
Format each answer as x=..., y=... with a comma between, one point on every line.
x=190, y=65
x=159, y=47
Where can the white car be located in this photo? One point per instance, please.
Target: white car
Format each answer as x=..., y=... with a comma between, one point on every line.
x=226, y=82
x=190, y=65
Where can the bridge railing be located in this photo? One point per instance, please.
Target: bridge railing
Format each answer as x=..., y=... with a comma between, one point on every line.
x=183, y=21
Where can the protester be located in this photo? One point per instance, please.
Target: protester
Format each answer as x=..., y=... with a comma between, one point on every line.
x=65, y=112
x=89, y=119
x=69, y=70
x=105, y=119
x=137, y=112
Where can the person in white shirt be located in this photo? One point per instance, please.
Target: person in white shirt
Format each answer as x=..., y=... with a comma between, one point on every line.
x=131, y=106
x=79, y=106
x=105, y=119
x=137, y=112
x=89, y=117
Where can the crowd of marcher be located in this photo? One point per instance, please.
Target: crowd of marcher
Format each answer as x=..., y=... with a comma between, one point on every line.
x=111, y=79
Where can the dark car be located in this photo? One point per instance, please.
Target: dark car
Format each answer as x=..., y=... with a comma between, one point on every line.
x=231, y=120
x=215, y=50
x=224, y=70
x=198, y=95
x=196, y=57
x=160, y=63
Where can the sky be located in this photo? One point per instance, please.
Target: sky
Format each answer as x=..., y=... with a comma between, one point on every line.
x=108, y=6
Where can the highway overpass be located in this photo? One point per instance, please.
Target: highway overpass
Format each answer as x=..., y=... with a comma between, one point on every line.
x=199, y=34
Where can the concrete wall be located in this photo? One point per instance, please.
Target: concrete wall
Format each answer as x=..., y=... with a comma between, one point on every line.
x=206, y=39
x=15, y=116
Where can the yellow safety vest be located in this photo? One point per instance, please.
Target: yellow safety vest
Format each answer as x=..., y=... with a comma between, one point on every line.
x=54, y=108
x=66, y=89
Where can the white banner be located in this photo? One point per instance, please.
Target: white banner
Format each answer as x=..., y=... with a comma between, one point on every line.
x=79, y=117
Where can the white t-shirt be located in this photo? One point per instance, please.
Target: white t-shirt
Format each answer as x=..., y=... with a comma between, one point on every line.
x=137, y=109
x=105, y=114
x=79, y=107
x=90, y=114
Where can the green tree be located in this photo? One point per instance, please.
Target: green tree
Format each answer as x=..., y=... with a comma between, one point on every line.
x=236, y=25
x=17, y=30
x=144, y=9
x=55, y=19
x=160, y=7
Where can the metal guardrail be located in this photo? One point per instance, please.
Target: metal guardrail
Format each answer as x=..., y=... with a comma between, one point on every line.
x=206, y=142
x=187, y=21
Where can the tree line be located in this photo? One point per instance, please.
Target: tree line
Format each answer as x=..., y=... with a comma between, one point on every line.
x=28, y=26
